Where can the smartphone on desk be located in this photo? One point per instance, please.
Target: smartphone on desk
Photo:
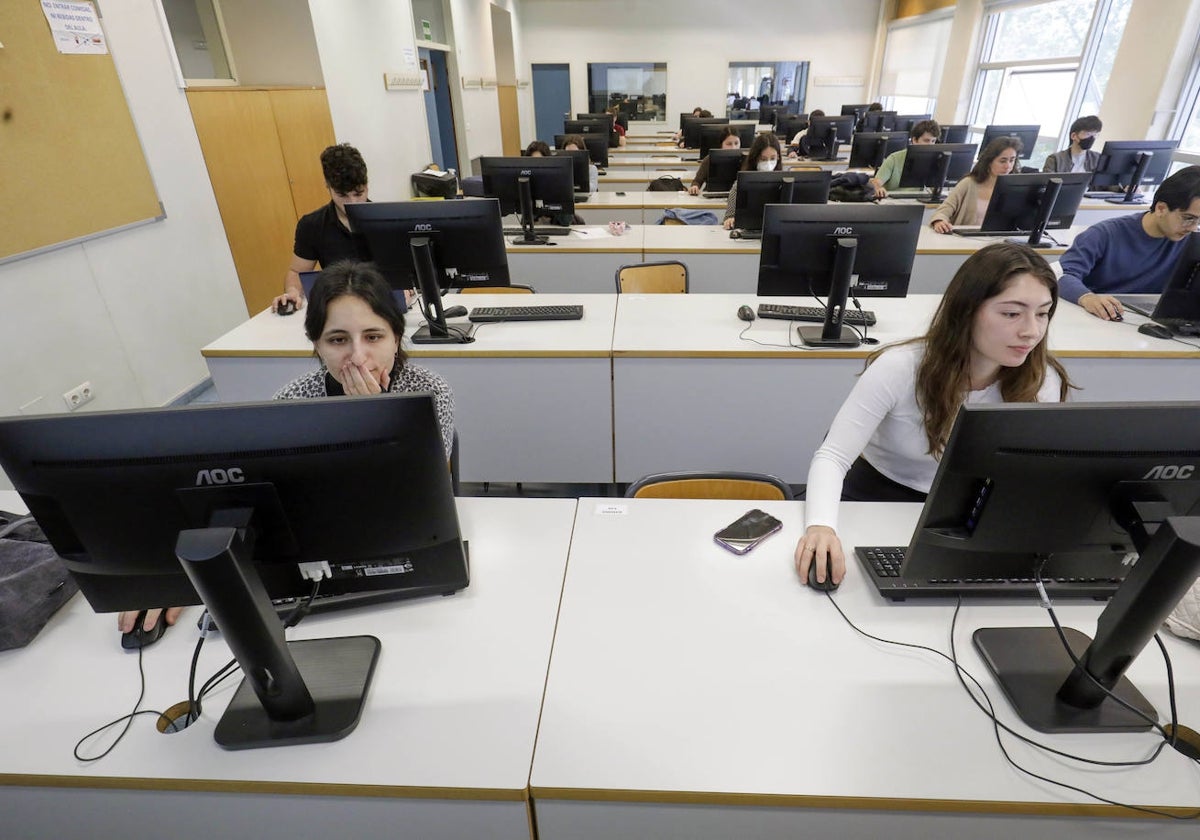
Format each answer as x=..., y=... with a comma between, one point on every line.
x=747, y=531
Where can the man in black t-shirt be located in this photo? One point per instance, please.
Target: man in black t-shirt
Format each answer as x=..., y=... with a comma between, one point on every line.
x=323, y=236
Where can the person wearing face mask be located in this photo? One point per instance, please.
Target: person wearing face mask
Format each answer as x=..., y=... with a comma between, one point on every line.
x=1079, y=157
x=729, y=140
x=967, y=202
x=765, y=156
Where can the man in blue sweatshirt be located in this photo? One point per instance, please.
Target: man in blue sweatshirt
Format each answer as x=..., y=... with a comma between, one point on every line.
x=1132, y=254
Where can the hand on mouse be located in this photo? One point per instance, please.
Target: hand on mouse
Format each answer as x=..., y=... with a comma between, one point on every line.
x=693, y=190
x=357, y=381
x=1103, y=306
x=293, y=295
x=125, y=620
x=819, y=541
x=729, y=223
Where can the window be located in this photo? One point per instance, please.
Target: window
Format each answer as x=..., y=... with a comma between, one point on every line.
x=912, y=63
x=1046, y=63
x=1187, y=123
x=198, y=34
x=639, y=90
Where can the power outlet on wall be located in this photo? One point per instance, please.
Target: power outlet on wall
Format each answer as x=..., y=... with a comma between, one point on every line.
x=81, y=394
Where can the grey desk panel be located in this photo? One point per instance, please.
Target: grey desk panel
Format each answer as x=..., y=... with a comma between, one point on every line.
x=569, y=273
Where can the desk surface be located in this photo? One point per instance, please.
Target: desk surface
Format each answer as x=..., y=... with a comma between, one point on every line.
x=452, y=712
x=685, y=674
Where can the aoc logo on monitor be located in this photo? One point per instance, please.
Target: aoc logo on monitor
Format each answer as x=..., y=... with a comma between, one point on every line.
x=233, y=475
x=845, y=230
x=426, y=227
x=1170, y=471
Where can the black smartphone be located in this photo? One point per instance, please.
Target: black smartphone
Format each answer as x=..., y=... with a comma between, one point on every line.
x=747, y=531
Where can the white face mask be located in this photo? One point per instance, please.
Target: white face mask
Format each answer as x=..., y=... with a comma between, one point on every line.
x=766, y=166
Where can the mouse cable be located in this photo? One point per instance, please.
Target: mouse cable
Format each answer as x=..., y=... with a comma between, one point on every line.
x=126, y=719
x=989, y=709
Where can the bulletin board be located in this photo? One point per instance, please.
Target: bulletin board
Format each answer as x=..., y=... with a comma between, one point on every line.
x=71, y=164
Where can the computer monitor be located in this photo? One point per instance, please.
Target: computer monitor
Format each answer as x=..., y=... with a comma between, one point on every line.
x=1179, y=302
x=710, y=136
x=580, y=163
x=786, y=127
x=869, y=148
x=954, y=133
x=770, y=114
x=1028, y=135
x=931, y=166
x=605, y=117
x=755, y=190
x=692, y=127
x=1073, y=485
x=434, y=246
x=878, y=121
x=218, y=503
x=597, y=147
x=905, y=122
x=723, y=168
x=837, y=250
x=856, y=111
x=1128, y=164
x=1035, y=202
x=530, y=187
x=601, y=127
x=825, y=133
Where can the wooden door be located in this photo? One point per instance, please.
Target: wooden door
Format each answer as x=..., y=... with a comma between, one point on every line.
x=305, y=130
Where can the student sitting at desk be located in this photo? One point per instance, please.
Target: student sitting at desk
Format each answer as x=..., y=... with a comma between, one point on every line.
x=798, y=145
x=323, y=236
x=986, y=343
x=575, y=142
x=696, y=112
x=729, y=140
x=887, y=176
x=618, y=129
x=537, y=148
x=1078, y=157
x=765, y=156
x=967, y=203
x=356, y=328
x=1132, y=254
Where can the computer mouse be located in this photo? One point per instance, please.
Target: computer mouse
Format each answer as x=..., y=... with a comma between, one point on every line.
x=286, y=308
x=1156, y=330
x=735, y=234
x=745, y=313
x=828, y=585
x=454, y=311
x=139, y=637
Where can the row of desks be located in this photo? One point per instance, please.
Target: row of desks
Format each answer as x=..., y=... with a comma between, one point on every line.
x=652, y=383
x=610, y=672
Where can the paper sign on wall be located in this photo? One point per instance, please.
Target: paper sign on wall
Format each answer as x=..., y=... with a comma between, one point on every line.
x=75, y=27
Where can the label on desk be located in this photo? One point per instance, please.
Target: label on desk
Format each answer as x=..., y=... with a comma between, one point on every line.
x=611, y=509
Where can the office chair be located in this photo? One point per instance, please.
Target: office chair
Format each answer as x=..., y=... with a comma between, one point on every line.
x=669, y=277
x=497, y=290
x=710, y=485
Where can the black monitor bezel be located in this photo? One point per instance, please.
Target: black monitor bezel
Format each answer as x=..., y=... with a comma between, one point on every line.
x=893, y=141
x=809, y=187
x=1028, y=135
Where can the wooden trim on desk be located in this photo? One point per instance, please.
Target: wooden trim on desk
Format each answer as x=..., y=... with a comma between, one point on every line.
x=544, y=249
x=248, y=786
x=258, y=354
x=732, y=252
x=418, y=352
x=855, y=803
x=1126, y=354
x=780, y=353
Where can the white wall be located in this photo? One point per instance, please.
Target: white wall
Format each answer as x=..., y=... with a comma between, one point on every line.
x=130, y=311
x=272, y=42
x=697, y=42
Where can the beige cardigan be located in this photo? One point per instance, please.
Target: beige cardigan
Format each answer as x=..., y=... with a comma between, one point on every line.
x=959, y=206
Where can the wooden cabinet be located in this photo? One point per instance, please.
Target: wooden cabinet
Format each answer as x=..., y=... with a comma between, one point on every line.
x=262, y=147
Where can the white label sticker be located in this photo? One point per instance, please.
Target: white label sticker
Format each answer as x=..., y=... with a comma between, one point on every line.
x=611, y=509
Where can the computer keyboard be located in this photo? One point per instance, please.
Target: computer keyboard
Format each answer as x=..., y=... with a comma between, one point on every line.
x=540, y=230
x=814, y=314
x=581, y=198
x=491, y=314
x=715, y=195
x=978, y=232
x=883, y=564
x=742, y=233
x=908, y=194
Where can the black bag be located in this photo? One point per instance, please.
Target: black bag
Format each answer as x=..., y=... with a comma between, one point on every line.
x=34, y=583
x=851, y=186
x=435, y=184
x=665, y=183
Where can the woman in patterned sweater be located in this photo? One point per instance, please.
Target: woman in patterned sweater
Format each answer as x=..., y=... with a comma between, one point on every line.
x=355, y=326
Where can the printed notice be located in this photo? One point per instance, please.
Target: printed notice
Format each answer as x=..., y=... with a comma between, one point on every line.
x=75, y=27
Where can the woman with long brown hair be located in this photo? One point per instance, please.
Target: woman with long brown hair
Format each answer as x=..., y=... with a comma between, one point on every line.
x=986, y=343
x=968, y=201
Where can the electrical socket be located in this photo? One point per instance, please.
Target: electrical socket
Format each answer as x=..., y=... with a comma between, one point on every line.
x=81, y=394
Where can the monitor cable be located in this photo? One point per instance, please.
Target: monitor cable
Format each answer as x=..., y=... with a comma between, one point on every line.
x=126, y=719
x=988, y=708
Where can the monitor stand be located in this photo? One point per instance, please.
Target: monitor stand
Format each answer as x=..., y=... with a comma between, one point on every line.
x=832, y=333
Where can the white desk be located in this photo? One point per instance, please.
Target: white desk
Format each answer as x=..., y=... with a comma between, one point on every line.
x=586, y=260
x=692, y=389
x=637, y=207
x=443, y=750
x=693, y=693
x=533, y=401
x=717, y=263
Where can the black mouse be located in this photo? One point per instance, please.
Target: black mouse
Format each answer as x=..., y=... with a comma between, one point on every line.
x=454, y=311
x=828, y=585
x=735, y=234
x=286, y=308
x=745, y=313
x=139, y=637
x=1156, y=330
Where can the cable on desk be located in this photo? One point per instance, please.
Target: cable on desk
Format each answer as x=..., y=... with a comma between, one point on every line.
x=127, y=719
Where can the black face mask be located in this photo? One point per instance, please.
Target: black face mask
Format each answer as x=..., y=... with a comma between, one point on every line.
x=1087, y=142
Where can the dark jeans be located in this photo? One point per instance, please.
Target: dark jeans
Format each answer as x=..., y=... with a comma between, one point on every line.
x=864, y=483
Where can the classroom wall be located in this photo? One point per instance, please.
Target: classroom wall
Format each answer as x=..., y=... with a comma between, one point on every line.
x=272, y=42
x=697, y=41
x=130, y=311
